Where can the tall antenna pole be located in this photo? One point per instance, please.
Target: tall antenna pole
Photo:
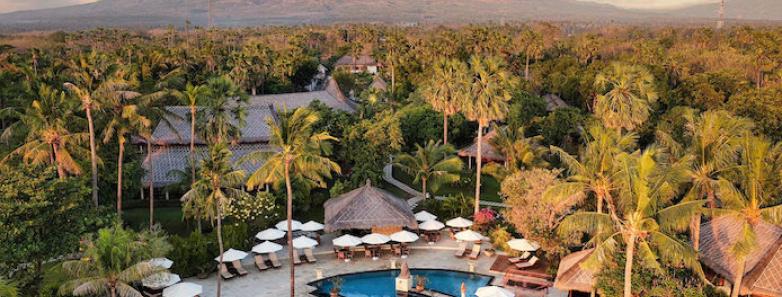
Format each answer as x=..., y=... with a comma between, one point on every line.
x=721, y=22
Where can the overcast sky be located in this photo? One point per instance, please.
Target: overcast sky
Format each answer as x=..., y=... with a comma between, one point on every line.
x=13, y=5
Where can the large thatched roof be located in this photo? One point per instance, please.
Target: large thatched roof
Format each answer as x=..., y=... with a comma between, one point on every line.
x=571, y=276
x=365, y=208
x=763, y=271
x=364, y=60
x=488, y=151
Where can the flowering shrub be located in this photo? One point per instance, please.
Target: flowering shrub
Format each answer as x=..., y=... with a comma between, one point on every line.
x=485, y=216
x=250, y=208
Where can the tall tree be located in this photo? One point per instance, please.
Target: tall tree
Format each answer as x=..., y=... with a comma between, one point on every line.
x=219, y=184
x=192, y=96
x=224, y=112
x=626, y=95
x=432, y=163
x=520, y=152
x=643, y=218
x=446, y=89
x=530, y=42
x=746, y=196
x=300, y=152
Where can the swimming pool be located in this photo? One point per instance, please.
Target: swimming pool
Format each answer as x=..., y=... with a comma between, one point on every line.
x=382, y=283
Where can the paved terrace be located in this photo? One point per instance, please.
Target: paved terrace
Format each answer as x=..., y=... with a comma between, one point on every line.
x=275, y=282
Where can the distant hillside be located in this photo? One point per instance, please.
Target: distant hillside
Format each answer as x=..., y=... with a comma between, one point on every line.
x=151, y=13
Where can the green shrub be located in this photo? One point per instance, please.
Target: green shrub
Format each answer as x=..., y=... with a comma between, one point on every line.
x=192, y=255
x=236, y=236
x=499, y=238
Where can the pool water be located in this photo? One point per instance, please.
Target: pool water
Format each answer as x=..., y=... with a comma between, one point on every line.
x=382, y=283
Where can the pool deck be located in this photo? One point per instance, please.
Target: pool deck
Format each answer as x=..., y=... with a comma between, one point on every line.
x=275, y=282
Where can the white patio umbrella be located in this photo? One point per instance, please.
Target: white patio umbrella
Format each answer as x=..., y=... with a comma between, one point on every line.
x=375, y=238
x=283, y=225
x=423, y=216
x=493, y=291
x=266, y=247
x=523, y=245
x=183, y=290
x=232, y=255
x=404, y=236
x=469, y=235
x=311, y=226
x=161, y=280
x=304, y=242
x=346, y=240
x=459, y=222
x=270, y=234
x=164, y=263
x=431, y=225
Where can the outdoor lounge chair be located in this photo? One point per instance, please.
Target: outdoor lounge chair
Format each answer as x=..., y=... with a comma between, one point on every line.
x=310, y=257
x=523, y=257
x=532, y=261
x=238, y=267
x=275, y=261
x=224, y=273
x=296, y=257
x=476, y=251
x=151, y=293
x=260, y=263
x=461, y=250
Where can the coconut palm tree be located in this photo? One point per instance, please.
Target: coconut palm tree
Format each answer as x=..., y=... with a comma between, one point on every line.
x=592, y=171
x=433, y=163
x=746, y=194
x=7, y=289
x=643, y=218
x=531, y=44
x=626, y=95
x=113, y=262
x=223, y=113
x=520, y=152
x=446, y=89
x=218, y=184
x=92, y=101
x=299, y=152
x=46, y=125
x=192, y=96
x=489, y=90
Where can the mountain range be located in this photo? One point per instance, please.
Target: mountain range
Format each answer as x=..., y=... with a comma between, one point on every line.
x=154, y=13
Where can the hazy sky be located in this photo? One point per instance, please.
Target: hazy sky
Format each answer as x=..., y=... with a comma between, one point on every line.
x=13, y=5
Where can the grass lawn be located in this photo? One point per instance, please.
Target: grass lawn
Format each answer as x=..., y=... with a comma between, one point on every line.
x=169, y=217
x=490, y=187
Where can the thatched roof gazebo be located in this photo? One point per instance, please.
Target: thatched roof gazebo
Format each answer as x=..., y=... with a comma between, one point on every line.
x=571, y=276
x=488, y=152
x=368, y=207
x=763, y=270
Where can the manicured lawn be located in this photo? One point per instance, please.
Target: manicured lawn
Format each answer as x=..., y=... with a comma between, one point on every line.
x=490, y=188
x=170, y=218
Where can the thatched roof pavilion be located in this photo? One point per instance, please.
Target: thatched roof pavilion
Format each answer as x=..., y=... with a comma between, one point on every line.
x=488, y=151
x=367, y=207
x=571, y=276
x=763, y=271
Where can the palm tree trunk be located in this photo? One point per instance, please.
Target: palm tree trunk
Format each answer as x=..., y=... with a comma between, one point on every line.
x=290, y=219
x=629, y=267
x=219, y=244
x=445, y=128
x=478, y=161
x=600, y=199
x=93, y=157
x=193, y=160
x=695, y=232
x=526, y=68
x=119, y=177
x=58, y=161
x=151, y=187
x=423, y=187
x=113, y=291
x=393, y=79
x=738, y=279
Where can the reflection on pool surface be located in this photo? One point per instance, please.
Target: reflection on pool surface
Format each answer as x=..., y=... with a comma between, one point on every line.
x=382, y=283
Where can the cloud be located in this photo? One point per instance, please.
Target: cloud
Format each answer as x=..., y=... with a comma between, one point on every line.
x=651, y=4
x=14, y=5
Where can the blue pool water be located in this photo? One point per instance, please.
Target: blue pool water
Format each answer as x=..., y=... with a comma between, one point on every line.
x=382, y=283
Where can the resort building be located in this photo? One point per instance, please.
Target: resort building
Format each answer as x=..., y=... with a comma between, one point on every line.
x=171, y=138
x=361, y=64
x=489, y=153
x=368, y=208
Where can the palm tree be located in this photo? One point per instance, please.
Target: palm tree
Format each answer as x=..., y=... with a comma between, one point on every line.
x=192, y=96
x=746, y=196
x=224, y=113
x=47, y=139
x=219, y=183
x=531, y=44
x=643, y=217
x=520, y=152
x=490, y=87
x=7, y=289
x=593, y=170
x=91, y=101
x=112, y=263
x=446, y=89
x=433, y=163
x=298, y=152
x=626, y=94
x=713, y=138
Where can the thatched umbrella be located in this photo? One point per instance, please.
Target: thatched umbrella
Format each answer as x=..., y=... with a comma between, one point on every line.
x=367, y=207
x=488, y=152
x=571, y=276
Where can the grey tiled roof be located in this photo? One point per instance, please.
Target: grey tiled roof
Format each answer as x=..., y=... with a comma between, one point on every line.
x=365, y=208
x=254, y=130
x=303, y=99
x=347, y=60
